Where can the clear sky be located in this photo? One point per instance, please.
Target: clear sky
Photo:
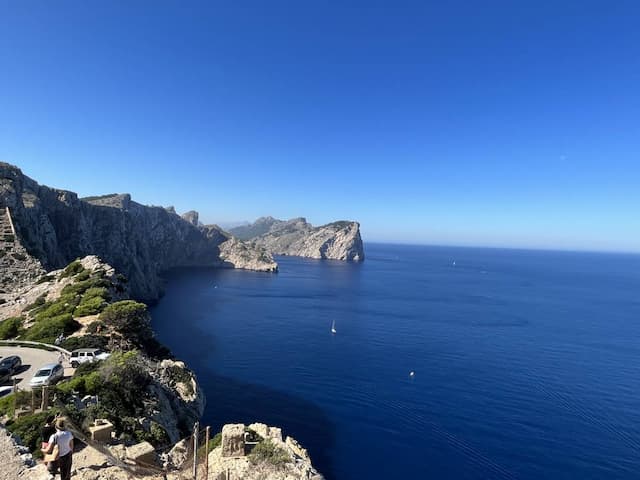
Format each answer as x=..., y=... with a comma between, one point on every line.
x=501, y=123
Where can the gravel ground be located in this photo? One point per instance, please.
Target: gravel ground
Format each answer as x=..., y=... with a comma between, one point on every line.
x=11, y=463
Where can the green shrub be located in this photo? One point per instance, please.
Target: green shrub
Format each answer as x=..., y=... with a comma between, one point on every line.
x=8, y=402
x=73, y=268
x=48, y=329
x=28, y=428
x=93, y=306
x=78, y=288
x=95, y=327
x=96, y=292
x=66, y=303
x=87, y=384
x=83, y=275
x=156, y=435
x=11, y=328
x=46, y=278
x=85, y=341
x=131, y=320
x=268, y=452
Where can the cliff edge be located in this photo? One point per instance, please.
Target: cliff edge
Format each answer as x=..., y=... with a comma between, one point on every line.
x=54, y=227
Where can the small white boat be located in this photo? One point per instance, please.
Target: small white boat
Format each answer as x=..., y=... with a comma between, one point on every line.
x=412, y=374
x=333, y=328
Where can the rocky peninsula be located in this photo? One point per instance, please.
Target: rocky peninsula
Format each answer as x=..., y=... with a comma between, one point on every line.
x=337, y=240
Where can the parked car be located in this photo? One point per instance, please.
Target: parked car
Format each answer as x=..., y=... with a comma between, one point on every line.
x=5, y=375
x=4, y=391
x=12, y=363
x=87, y=355
x=47, y=375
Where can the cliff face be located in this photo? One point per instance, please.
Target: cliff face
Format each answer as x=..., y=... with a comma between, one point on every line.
x=55, y=227
x=337, y=240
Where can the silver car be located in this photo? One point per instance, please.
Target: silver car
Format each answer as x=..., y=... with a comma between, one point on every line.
x=47, y=375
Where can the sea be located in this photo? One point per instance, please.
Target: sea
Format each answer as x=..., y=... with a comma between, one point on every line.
x=526, y=363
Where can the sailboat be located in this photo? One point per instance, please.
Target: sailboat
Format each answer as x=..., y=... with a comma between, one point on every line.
x=333, y=328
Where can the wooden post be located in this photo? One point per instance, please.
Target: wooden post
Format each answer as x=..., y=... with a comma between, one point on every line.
x=15, y=397
x=195, y=450
x=206, y=453
x=45, y=400
x=33, y=400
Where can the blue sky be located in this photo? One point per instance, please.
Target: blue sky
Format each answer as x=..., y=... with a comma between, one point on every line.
x=493, y=123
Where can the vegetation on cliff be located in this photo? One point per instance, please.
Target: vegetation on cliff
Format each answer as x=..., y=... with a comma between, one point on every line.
x=138, y=388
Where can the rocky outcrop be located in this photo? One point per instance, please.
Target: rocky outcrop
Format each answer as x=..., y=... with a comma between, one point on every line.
x=258, y=452
x=55, y=227
x=338, y=240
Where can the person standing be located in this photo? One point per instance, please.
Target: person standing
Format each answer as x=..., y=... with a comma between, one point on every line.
x=47, y=430
x=64, y=440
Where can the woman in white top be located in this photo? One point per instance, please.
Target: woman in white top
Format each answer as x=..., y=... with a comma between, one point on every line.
x=64, y=440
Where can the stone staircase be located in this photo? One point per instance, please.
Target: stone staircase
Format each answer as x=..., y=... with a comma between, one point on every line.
x=17, y=267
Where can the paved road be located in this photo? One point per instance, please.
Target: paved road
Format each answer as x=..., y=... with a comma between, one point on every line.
x=32, y=360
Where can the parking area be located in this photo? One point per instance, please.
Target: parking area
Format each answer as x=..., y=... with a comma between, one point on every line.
x=32, y=360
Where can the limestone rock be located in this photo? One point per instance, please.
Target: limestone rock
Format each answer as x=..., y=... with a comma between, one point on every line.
x=55, y=227
x=233, y=440
x=191, y=216
x=238, y=465
x=338, y=240
x=238, y=254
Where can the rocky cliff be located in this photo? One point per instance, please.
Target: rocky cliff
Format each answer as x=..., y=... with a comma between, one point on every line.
x=55, y=226
x=338, y=240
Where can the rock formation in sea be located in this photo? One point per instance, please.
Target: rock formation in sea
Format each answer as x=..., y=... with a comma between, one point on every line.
x=337, y=240
x=53, y=227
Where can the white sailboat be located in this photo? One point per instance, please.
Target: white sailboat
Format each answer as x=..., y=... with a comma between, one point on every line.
x=333, y=328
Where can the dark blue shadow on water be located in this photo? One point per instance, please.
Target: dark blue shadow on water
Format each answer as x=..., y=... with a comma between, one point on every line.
x=231, y=401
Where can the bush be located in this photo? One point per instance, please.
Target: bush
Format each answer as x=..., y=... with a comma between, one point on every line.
x=28, y=428
x=78, y=288
x=93, y=306
x=131, y=320
x=73, y=268
x=85, y=341
x=83, y=275
x=10, y=328
x=84, y=384
x=125, y=384
x=65, y=304
x=8, y=402
x=268, y=452
x=46, y=278
x=47, y=330
x=95, y=327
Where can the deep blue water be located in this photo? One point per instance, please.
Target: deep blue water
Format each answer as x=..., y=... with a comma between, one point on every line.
x=527, y=363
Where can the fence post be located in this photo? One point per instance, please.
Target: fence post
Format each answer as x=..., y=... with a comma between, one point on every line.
x=33, y=400
x=206, y=453
x=195, y=450
x=45, y=398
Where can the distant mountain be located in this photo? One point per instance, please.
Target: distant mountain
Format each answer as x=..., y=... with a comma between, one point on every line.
x=53, y=227
x=338, y=240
